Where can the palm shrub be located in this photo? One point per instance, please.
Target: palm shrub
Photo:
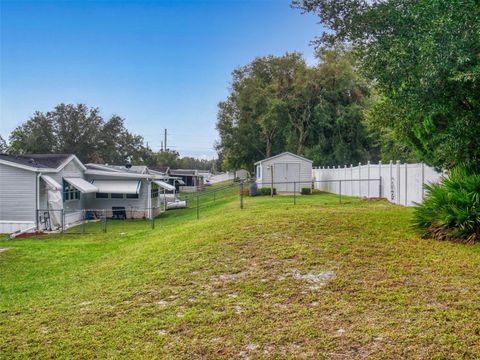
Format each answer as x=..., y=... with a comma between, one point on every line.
x=451, y=209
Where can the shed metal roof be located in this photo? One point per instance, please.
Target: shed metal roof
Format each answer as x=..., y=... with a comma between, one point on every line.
x=284, y=153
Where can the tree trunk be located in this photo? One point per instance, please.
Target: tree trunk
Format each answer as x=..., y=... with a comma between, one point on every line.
x=268, y=148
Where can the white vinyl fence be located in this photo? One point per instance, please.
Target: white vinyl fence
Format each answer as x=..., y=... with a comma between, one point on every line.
x=222, y=177
x=399, y=183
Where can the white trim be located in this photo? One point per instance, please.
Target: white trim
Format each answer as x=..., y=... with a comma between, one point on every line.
x=284, y=153
x=66, y=162
x=16, y=222
x=102, y=167
x=121, y=174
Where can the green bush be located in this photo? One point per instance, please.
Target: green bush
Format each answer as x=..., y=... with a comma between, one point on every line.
x=451, y=209
x=266, y=191
x=306, y=191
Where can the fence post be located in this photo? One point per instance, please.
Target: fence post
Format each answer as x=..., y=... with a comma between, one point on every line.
x=368, y=179
x=104, y=223
x=241, y=195
x=153, y=219
x=398, y=182
x=198, y=215
x=380, y=177
x=392, y=190
x=340, y=190
x=351, y=179
x=294, y=193
x=63, y=220
x=83, y=221
x=359, y=179
x=423, y=181
x=406, y=185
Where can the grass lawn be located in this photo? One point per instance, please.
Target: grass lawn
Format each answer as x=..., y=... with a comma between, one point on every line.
x=315, y=280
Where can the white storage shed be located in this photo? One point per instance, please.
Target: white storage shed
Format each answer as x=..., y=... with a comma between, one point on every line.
x=286, y=170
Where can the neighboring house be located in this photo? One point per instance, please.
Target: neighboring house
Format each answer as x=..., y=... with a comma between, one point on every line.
x=187, y=180
x=39, y=185
x=286, y=170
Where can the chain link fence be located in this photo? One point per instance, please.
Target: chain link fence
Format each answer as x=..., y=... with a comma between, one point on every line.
x=297, y=192
x=90, y=221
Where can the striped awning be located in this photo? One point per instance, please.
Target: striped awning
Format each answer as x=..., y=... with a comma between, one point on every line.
x=164, y=185
x=82, y=185
x=118, y=186
x=51, y=183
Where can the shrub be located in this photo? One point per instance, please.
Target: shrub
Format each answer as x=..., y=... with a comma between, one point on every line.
x=318, y=192
x=306, y=191
x=451, y=209
x=266, y=191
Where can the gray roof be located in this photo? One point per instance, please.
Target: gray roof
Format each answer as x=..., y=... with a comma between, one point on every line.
x=41, y=161
x=184, y=172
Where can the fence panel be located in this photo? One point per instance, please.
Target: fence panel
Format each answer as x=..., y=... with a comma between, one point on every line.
x=401, y=184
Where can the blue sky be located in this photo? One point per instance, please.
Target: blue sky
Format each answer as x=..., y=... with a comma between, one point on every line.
x=158, y=64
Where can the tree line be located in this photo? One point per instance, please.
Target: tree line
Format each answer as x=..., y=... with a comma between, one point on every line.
x=395, y=80
x=80, y=130
x=279, y=103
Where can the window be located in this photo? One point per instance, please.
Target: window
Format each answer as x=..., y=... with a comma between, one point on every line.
x=70, y=192
x=259, y=172
x=116, y=196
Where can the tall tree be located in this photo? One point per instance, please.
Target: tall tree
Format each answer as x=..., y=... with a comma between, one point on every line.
x=280, y=103
x=37, y=135
x=424, y=56
x=3, y=145
x=339, y=135
x=78, y=130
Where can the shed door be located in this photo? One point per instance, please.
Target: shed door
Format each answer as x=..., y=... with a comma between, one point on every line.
x=285, y=174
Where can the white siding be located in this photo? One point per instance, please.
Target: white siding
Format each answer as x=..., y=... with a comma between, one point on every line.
x=72, y=169
x=17, y=194
x=304, y=178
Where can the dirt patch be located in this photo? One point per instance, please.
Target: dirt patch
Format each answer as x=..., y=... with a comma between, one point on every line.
x=320, y=278
x=4, y=249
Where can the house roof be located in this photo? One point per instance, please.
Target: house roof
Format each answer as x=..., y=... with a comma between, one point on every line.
x=39, y=162
x=284, y=153
x=49, y=161
x=160, y=169
x=184, y=172
x=137, y=169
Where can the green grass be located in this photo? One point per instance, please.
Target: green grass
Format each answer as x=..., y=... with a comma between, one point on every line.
x=227, y=286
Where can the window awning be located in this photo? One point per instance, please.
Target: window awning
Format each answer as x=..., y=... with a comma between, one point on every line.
x=52, y=184
x=118, y=186
x=82, y=185
x=164, y=185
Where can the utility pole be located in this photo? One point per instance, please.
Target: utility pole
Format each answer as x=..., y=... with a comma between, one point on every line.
x=165, y=141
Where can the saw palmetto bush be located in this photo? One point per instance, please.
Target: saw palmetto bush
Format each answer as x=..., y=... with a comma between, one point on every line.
x=451, y=209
